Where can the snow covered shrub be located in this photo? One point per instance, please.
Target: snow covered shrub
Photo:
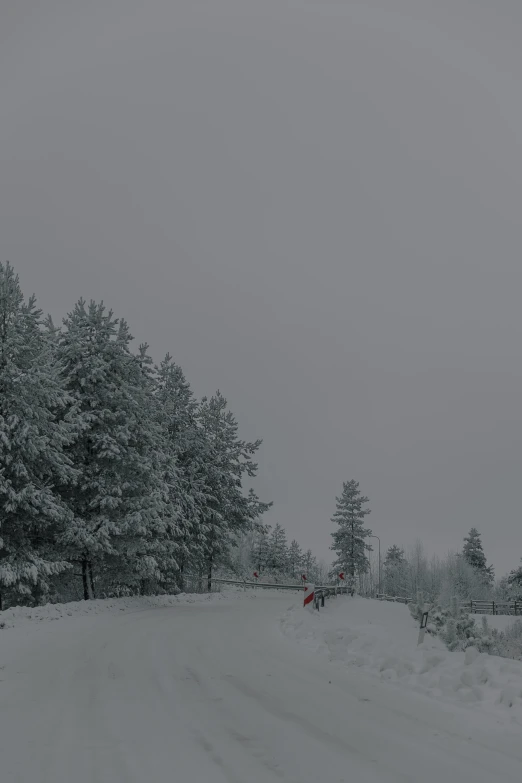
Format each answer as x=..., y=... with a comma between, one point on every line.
x=488, y=640
x=512, y=641
x=437, y=616
x=453, y=625
x=460, y=631
x=417, y=607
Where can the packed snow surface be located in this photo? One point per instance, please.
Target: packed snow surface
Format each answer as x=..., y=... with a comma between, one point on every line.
x=211, y=690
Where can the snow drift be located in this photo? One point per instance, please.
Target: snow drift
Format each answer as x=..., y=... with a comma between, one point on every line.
x=381, y=638
x=18, y=615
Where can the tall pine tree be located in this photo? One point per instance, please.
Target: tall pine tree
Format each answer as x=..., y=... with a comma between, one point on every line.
x=190, y=494
x=229, y=511
x=349, y=540
x=120, y=506
x=33, y=435
x=473, y=553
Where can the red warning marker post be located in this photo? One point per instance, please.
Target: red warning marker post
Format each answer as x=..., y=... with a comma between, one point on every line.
x=309, y=595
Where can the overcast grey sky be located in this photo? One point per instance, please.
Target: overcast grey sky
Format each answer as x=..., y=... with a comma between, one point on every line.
x=315, y=207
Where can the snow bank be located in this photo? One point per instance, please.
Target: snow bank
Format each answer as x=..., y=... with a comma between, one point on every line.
x=381, y=638
x=501, y=622
x=18, y=615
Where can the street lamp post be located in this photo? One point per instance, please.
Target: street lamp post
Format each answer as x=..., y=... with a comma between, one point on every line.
x=379, y=540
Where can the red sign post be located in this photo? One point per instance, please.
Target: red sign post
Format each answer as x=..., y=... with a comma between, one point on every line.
x=309, y=596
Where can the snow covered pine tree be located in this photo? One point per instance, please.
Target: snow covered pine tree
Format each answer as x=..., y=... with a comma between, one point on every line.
x=278, y=551
x=261, y=548
x=295, y=559
x=121, y=510
x=395, y=572
x=229, y=511
x=473, y=553
x=33, y=435
x=191, y=493
x=349, y=540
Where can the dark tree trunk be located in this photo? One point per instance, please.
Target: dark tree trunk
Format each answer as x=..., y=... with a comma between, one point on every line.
x=352, y=570
x=91, y=580
x=209, y=577
x=1, y=603
x=85, y=580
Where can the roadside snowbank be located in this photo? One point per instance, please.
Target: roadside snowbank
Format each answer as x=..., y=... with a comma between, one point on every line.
x=381, y=638
x=501, y=622
x=18, y=615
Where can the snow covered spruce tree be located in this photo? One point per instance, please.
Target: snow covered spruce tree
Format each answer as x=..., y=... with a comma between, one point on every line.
x=229, y=511
x=33, y=434
x=349, y=540
x=473, y=553
x=121, y=511
x=190, y=495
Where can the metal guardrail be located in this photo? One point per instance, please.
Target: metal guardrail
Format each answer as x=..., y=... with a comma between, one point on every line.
x=397, y=598
x=265, y=585
x=326, y=591
x=322, y=592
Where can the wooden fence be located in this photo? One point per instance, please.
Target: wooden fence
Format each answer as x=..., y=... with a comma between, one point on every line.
x=474, y=607
x=494, y=607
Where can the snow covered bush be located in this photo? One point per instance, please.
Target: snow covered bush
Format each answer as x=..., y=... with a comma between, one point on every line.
x=454, y=626
x=512, y=641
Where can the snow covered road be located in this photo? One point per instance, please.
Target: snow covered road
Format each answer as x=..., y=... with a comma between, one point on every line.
x=214, y=692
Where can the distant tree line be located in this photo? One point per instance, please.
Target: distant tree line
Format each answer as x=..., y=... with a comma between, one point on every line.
x=266, y=551
x=462, y=575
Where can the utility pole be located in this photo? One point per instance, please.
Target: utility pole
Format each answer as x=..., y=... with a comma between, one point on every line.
x=379, y=540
